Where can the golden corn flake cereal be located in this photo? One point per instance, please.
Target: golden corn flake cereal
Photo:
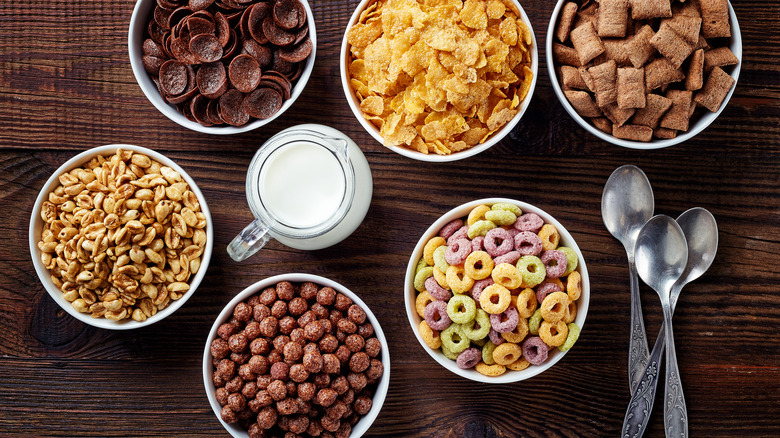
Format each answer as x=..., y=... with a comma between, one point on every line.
x=439, y=76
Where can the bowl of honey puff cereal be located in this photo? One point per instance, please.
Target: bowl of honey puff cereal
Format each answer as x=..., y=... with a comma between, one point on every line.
x=439, y=80
x=645, y=76
x=496, y=291
x=296, y=355
x=120, y=236
x=222, y=67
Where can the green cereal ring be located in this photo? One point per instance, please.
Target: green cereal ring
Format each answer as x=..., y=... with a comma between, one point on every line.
x=508, y=207
x=421, y=264
x=501, y=217
x=461, y=309
x=448, y=354
x=438, y=258
x=574, y=334
x=532, y=270
x=482, y=323
x=534, y=321
x=454, y=339
x=421, y=276
x=479, y=342
x=487, y=353
x=571, y=259
x=480, y=228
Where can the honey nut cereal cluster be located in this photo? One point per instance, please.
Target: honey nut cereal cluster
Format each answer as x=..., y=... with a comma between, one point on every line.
x=439, y=76
x=496, y=291
x=122, y=235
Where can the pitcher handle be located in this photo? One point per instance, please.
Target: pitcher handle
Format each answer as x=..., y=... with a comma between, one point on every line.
x=248, y=241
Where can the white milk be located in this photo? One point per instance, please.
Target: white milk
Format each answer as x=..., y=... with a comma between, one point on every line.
x=302, y=184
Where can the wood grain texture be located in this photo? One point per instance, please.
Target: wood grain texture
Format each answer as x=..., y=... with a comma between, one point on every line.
x=66, y=85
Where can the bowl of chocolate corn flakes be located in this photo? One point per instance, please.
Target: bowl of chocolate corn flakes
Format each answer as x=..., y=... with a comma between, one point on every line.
x=644, y=74
x=439, y=81
x=120, y=236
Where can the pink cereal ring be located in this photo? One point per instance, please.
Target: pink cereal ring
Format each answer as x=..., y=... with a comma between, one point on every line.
x=528, y=243
x=460, y=233
x=535, y=350
x=498, y=242
x=436, y=315
x=436, y=291
x=546, y=288
x=529, y=222
x=476, y=290
x=511, y=257
x=495, y=337
x=477, y=243
x=458, y=250
x=469, y=358
x=506, y=321
x=554, y=262
x=449, y=229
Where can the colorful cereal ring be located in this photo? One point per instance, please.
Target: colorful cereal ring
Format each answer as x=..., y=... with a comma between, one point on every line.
x=529, y=222
x=553, y=333
x=436, y=315
x=535, y=350
x=507, y=275
x=547, y=287
x=511, y=257
x=439, y=262
x=574, y=334
x=505, y=321
x=534, y=321
x=423, y=299
x=550, y=237
x=461, y=233
x=571, y=259
x=554, y=262
x=508, y=207
x=479, y=328
x=501, y=218
x=526, y=303
x=574, y=285
x=571, y=312
x=498, y=242
x=457, y=279
x=441, y=278
x=468, y=358
x=495, y=337
x=430, y=247
x=507, y=353
x=487, y=353
x=478, y=265
x=554, y=306
x=478, y=243
x=457, y=251
x=420, y=264
x=421, y=276
x=479, y=285
x=519, y=333
x=449, y=229
x=476, y=214
x=490, y=370
x=461, y=309
x=448, y=354
x=532, y=270
x=528, y=243
x=480, y=228
x=436, y=291
x=429, y=335
x=453, y=338
x=494, y=298
x=519, y=364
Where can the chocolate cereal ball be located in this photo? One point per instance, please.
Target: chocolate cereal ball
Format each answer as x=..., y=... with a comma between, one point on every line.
x=243, y=312
x=285, y=290
x=326, y=296
x=309, y=291
x=219, y=348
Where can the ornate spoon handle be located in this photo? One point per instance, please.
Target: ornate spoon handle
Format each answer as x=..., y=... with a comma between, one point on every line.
x=675, y=412
x=638, y=351
x=641, y=404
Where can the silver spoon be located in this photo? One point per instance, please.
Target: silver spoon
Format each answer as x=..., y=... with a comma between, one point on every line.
x=661, y=258
x=626, y=204
x=701, y=233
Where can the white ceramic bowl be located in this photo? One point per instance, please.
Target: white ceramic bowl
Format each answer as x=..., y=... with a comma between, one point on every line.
x=208, y=369
x=36, y=226
x=410, y=293
x=136, y=36
x=354, y=103
x=697, y=125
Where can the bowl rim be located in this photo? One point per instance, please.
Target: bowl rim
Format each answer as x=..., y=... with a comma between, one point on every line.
x=703, y=122
x=410, y=293
x=374, y=132
x=135, y=40
x=383, y=385
x=36, y=226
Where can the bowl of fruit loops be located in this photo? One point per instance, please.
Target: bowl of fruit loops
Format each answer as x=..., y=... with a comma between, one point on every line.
x=496, y=290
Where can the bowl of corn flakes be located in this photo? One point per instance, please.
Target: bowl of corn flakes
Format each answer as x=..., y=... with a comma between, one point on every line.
x=439, y=81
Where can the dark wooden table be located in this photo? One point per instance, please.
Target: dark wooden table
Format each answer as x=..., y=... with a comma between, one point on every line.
x=66, y=85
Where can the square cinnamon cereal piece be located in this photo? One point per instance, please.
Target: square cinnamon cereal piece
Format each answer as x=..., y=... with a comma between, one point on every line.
x=714, y=91
x=720, y=57
x=572, y=79
x=613, y=18
x=643, y=9
x=695, y=77
x=604, y=82
x=639, y=47
x=631, y=87
x=702, y=44
x=617, y=49
x=568, y=12
x=660, y=72
x=587, y=78
x=715, y=18
x=586, y=42
x=651, y=114
x=618, y=115
x=582, y=103
x=565, y=55
x=679, y=114
x=688, y=9
x=632, y=132
x=603, y=124
x=664, y=133
x=670, y=45
x=688, y=28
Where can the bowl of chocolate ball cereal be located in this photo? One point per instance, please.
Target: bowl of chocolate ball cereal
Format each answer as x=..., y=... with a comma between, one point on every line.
x=296, y=353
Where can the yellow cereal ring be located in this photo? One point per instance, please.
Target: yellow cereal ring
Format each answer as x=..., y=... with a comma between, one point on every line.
x=518, y=333
x=431, y=246
x=490, y=370
x=423, y=299
x=441, y=278
x=420, y=264
x=508, y=207
x=494, y=299
x=458, y=280
x=534, y=321
x=571, y=260
x=554, y=306
x=553, y=333
x=480, y=228
x=550, y=237
x=519, y=364
x=532, y=270
x=476, y=214
x=526, y=303
x=421, y=276
x=502, y=218
x=574, y=285
x=478, y=265
x=507, y=353
x=451, y=355
x=507, y=275
x=487, y=353
x=429, y=335
x=571, y=312
x=574, y=334
x=438, y=258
